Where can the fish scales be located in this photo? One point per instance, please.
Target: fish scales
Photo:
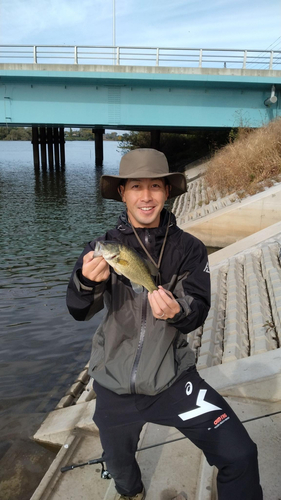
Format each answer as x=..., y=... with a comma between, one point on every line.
x=126, y=261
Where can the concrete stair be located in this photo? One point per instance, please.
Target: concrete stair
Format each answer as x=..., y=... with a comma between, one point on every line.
x=199, y=201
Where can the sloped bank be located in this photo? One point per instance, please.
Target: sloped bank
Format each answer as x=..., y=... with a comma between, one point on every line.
x=220, y=221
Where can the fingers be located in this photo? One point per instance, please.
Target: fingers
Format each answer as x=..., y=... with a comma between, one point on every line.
x=95, y=268
x=163, y=304
x=88, y=257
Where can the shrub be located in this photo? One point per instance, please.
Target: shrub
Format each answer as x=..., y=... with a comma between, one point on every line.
x=248, y=161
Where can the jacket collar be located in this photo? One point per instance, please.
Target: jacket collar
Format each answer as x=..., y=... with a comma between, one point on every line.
x=125, y=227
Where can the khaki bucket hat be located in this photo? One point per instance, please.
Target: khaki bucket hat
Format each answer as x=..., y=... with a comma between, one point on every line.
x=142, y=163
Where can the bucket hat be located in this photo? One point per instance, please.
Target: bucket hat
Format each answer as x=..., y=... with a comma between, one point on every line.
x=140, y=164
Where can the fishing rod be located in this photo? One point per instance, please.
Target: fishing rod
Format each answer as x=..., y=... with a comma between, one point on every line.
x=106, y=475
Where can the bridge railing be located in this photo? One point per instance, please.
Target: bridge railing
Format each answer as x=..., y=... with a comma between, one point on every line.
x=144, y=56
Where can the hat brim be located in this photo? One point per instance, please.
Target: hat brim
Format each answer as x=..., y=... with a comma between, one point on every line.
x=109, y=184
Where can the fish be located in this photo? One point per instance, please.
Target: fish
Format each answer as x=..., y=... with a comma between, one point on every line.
x=127, y=262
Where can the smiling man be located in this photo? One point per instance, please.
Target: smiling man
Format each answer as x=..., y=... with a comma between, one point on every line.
x=141, y=363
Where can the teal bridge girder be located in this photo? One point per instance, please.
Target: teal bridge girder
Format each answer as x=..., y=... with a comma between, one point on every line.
x=136, y=97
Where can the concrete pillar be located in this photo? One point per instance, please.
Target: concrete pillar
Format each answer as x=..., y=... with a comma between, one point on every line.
x=43, y=147
x=99, y=146
x=50, y=146
x=155, y=139
x=56, y=147
x=62, y=151
x=35, y=144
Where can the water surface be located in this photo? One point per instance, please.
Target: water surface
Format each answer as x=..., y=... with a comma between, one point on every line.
x=47, y=217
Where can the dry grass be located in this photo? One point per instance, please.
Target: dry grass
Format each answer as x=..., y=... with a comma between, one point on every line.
x=249, y=164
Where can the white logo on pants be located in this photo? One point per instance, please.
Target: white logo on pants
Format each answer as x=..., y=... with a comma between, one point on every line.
x=203, y=407
x=188, y=388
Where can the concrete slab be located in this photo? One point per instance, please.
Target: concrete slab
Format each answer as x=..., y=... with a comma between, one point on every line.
x=238, y=220
x=59, y=423
x=246, y=244
x=266, y=433
x=256, y=377
x=170, y=469
x=83, y=483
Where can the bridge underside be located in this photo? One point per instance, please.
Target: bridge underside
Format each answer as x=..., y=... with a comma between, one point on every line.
x=171, y=99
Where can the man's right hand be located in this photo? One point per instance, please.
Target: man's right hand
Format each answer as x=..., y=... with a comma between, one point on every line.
x=95, y=268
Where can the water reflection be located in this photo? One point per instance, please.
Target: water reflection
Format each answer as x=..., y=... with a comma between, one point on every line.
x=50, y=185
x=99, y=200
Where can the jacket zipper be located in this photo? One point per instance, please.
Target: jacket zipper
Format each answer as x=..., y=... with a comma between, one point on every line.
x=142, y=328
x=140, y=344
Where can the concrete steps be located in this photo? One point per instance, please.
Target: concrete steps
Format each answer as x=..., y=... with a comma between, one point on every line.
x=199, y=201
x=222, y=220
x=245, y=317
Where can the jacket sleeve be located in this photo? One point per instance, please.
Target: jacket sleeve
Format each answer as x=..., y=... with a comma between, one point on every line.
x=84, y=298
x=193, y=289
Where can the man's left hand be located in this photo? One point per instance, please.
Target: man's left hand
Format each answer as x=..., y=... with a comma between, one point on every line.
x=163, y=304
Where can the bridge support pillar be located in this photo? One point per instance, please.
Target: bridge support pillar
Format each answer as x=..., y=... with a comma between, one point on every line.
x=54, y=139
x=99, y=146
x=43, y=147
x=56, y=147
x=155, y=139
x=50, y=146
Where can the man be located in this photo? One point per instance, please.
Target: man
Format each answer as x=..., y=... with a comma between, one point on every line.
x=143, y=368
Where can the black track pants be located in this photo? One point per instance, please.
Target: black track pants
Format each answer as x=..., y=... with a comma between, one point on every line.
x=195, y=409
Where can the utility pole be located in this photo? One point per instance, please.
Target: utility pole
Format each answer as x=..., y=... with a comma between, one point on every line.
x=113, y=31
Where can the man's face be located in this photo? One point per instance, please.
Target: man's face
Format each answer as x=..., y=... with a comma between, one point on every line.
x=145, y=199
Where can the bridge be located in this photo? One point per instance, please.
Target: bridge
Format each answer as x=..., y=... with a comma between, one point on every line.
x=137, y=88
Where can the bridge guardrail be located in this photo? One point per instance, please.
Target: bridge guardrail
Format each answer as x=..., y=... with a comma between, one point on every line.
x=148, y=56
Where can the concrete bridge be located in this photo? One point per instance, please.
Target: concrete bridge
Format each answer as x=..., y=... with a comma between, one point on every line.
x=138, y=88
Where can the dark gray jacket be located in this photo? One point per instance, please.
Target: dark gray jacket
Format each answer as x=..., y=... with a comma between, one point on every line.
x=132, y=351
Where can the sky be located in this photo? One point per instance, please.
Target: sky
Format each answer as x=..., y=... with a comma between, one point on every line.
x=238, y=24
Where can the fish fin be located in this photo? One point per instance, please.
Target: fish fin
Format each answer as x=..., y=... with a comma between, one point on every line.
x=123, y=262
x=137, y=288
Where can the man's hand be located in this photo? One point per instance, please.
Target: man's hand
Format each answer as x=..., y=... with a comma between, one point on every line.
x=163, y=304
x=95, y=268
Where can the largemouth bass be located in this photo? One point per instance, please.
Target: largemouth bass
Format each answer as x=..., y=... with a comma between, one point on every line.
x=126, y=261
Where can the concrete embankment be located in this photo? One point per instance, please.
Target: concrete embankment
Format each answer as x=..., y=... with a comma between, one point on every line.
x=222, y=220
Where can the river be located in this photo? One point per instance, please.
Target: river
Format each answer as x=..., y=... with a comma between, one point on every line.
x=46, y=219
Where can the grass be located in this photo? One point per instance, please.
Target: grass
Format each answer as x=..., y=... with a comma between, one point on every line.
x=248, y=164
